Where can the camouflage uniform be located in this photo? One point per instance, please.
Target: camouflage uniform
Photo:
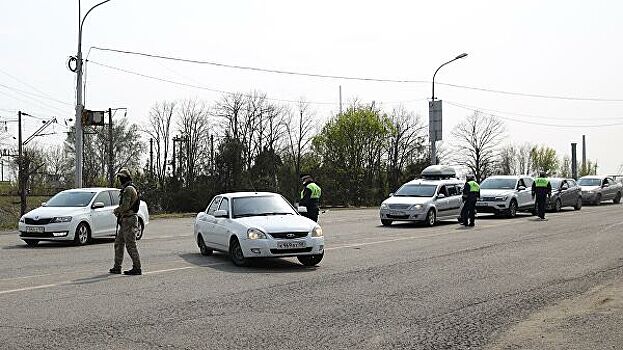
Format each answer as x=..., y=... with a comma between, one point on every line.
x=128, y=227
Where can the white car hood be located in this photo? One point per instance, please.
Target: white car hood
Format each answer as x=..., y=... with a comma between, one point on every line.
x=407, y=200
x=278, y=223
x=50, y=212
x=495, y=192
x=590, y=188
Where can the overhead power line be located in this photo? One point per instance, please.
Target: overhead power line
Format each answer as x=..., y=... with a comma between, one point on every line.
x=559, y=125
x=343, y=77
x=42, y=94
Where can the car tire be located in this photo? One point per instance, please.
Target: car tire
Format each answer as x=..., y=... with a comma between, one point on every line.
x=141, y=229
x=512, y=209
x=578, y=204
x=236, y=255
x=203, y=248
x=310, y=260
x=431, y=218
x=598, y=199
x=617, y=199
x=31, y=242
x=82, y=235
x=386, y=222
x=557, y=205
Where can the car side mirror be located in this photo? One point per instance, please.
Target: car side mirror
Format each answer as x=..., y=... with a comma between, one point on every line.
x=441, y=195
x=605, y=185
x=302, y=210
x=43, y=204
x=221, y=214
x=97, y=205
x=564, y=187
x=521, y=188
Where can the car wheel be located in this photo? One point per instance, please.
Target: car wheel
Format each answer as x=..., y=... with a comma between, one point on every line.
x=578, y=204
x=617, y=199
x=82, y=235
x=141, y=228
x=386, y=222
x=512, y=209
x=557, y=205
x=236, y=254
x=31, y=242
x=310, y=260
x=598, y=199
x=431, y=218
x=203, y=248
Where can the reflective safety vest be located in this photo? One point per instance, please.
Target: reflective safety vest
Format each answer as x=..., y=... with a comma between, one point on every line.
x=541, y=182
x=316, y=191
x=473, y=186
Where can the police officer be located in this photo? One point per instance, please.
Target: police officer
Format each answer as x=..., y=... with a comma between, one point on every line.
x=310, y=197
x=542, y=188
x=471, y=193
x=128, y=223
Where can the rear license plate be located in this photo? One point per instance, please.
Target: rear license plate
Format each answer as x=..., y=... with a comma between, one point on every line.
x=291, y=245
x=35, y=229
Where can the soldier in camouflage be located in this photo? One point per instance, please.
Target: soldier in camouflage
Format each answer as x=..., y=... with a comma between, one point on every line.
x=128, y=224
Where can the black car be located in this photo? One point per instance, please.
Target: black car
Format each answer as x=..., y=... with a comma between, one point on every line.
x=565, y=193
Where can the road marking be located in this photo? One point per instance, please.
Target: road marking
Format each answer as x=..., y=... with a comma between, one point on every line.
x=28, y=288
x=168, y=270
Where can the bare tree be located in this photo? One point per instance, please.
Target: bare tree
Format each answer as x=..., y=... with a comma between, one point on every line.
x=476, y=142
x=159, y=129
x=524, y=160
x=299, y=129
x=406, y=144
x=194, y=125
x=509, y=162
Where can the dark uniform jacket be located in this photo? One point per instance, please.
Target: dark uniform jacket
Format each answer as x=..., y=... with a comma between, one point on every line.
x=468, y=195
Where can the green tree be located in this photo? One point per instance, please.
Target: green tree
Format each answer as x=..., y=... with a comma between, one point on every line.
x=353, y=145
x=544, y=158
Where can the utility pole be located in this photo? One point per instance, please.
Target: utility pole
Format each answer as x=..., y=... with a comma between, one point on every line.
x=212, y=154
x=173, y=160
x=20, y=165
x=584, y=165
x=111, y=175
x=340, y=101
x=574, y=161
x=151, y=157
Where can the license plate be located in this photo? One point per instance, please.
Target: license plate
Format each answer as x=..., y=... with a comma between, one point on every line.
x=481, y=204
x=36, y=229
x=397, y=212
x=291, y=245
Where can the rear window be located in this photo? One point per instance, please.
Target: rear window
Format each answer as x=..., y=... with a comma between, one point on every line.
x=589, y=182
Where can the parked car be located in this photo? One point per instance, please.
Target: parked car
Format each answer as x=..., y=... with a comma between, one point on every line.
x=426, y=201
x=506, y=195
x=77, y=216
x=565, y=193
x=596, y=189
x=257, y=225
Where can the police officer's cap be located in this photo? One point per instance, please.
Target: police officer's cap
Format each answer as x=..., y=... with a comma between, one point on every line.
x=305, y=176
x=124, y=172
x=470, y=177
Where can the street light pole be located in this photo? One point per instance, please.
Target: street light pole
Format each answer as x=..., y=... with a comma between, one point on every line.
x=79, y=107
x=434, y=116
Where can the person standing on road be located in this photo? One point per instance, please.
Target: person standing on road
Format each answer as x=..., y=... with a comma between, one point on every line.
x=471, y=193
x=542, y=188
x=128, y=224
x=310, y=197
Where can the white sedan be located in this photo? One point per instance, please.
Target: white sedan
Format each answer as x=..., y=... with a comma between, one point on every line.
x=257, y=225
x=77, y=216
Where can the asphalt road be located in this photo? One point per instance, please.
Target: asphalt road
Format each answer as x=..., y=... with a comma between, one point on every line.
x=402, y=287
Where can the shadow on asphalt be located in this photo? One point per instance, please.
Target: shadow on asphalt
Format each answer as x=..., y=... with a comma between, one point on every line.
x=57, y=245
x=221, y=262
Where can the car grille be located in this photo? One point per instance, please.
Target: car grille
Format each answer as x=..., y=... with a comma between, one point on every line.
x=31, y=221
x=487, y=199
x=289, y=235
x=36, y=234
x=291, y=251
x=397, y=216
x=399, y=206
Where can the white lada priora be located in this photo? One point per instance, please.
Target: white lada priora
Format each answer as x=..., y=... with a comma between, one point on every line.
x=77, y=216
x=251, y=225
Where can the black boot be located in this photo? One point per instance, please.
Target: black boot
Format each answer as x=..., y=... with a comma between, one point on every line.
x=471, y=224
x=115, y=270
x=133, y=272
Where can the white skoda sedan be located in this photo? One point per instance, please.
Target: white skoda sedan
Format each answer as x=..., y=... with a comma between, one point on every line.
x=257, y=225
x=76, y=216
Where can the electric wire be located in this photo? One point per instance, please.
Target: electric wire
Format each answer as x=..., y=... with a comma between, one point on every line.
x=369, y=79
x=42, y=93
x=35, y=100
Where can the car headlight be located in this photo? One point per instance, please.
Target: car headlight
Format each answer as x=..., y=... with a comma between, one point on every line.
x=416, y=207
x=384, y=206
x=254, y=233
x=501, y=198
x=21, y=219
x=62, y=219
x=317, y=232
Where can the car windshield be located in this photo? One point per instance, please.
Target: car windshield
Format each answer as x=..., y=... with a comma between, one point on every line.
x=261, y=206
x=555, y=183
x=498, y=184
x=70, y=199
x=416, y=191
x=589, y=182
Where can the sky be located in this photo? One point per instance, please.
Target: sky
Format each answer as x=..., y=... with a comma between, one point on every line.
x=553, y=48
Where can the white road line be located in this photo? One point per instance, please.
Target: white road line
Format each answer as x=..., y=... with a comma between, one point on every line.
x=29, y=288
